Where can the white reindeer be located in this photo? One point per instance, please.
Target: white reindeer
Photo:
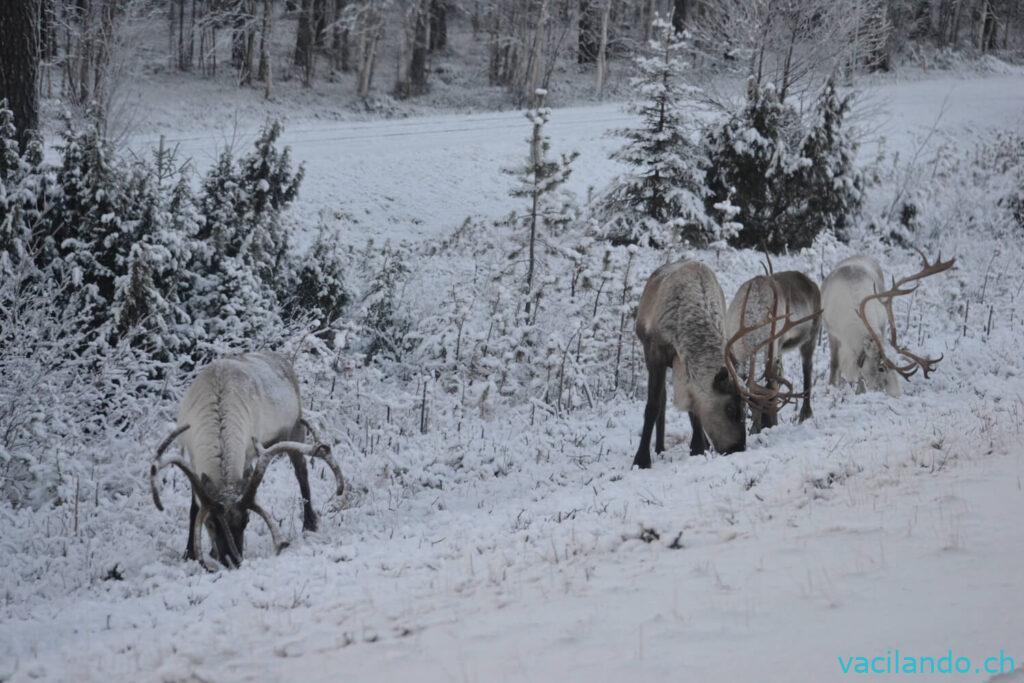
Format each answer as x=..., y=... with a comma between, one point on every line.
x=239, y=414
x=858, y=315
x=679, y=324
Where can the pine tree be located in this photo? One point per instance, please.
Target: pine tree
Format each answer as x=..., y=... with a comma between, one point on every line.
x=660, y=198
x=830, y=181
x=753, y=169
x=89, y=232
x=319, y=286
x=539, y=181
x=25, y=191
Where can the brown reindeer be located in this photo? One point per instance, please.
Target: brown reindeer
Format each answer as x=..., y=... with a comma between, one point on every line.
x=680, y=325
x=760, y=306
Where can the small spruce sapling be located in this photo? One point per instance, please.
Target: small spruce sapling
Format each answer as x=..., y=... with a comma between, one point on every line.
x=539, y=181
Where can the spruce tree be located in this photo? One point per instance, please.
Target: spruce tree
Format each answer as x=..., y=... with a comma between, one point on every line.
x=539, y=181
x=660, y=198
x=834, y=188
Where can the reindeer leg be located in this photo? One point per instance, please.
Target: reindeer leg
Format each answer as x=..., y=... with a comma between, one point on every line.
x=833, y=368
x=655, y=392
x=698, y=442
x=310, y=522
x=659, y=440
x=309, y=516
x=190, y=545
x=807, y=356
x=771, y=417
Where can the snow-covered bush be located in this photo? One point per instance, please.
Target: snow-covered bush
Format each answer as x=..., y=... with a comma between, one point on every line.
x=319, y=286
x=386, y=326
x=66, y=393
x=661, y=198
x=788, y=181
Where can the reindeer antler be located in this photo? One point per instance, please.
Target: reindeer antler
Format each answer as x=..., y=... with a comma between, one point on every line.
x=885, y=298
x=758, y=396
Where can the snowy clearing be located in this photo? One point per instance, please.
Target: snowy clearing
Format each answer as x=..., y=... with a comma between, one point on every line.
x=507, y=543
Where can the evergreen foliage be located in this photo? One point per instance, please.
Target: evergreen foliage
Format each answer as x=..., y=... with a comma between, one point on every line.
x=783, y=183
x=660, y=199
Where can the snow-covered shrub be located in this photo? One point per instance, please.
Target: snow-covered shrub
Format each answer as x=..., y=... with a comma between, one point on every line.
x=787, y=180
x=830, y=184
x=661, y=198
x=25, y=189
x=318, y=285
x=386, y=326
x=65, y=393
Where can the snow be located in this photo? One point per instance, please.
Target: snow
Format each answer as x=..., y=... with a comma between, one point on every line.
x=508, y=543
x=417, y=178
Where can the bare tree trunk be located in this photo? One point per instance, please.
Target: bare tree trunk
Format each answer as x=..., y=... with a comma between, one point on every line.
x=438, y=25
x=304, y=41
x=587, y=40
x=340, y=42
x=19, y=63
x=602, y=53
x=417, y=73
x=266, y=35
x=369, y=38
x=679, y=16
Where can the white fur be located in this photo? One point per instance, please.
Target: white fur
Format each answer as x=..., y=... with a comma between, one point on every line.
x=842, y=292
x=232, y=401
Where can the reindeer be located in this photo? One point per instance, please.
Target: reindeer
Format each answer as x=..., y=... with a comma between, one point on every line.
x=759, y=301
x=858, y=313
x=679, y=324
x=239, y=414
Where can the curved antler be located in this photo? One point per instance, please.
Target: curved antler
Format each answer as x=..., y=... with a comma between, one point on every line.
x=760, y=397
x=318, y=450
x=275, y=532
x=156, y=466
x=885, y=298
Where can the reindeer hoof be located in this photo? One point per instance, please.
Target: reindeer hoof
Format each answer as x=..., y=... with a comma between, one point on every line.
x=284, y=544
x=310, y=521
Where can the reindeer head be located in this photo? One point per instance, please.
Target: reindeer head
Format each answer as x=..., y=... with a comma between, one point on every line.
x=722, y=417
x=878, y=369
x=225, y=514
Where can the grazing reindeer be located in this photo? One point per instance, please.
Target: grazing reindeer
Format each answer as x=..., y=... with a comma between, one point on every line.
x=238, y=415
x=679, y=324
x=858, y=314
x=760, y=300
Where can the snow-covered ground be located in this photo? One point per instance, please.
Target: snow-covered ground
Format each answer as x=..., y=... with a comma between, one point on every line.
x=417, y=178
x=512, y=544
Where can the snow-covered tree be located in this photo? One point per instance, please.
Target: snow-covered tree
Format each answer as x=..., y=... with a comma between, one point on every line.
x=319, y=281
x=540, y=181
x=660, y=198
x=753, y=169
x=831, y=183
x=25, y=189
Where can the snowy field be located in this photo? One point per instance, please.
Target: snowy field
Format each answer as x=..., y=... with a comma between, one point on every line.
x=513, y=544
x=417, y=178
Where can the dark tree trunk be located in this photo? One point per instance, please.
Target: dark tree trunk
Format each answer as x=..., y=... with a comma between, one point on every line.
x=438, y=25
x=304, y=36
x=340, y=42
x=589, y=41
x=679, y=17
x=19, y=63
x=319, y=23
x=418, y=61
